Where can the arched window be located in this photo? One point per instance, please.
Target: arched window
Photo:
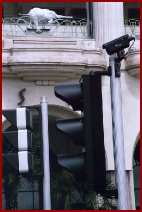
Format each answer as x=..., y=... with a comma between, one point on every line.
x=136, y=171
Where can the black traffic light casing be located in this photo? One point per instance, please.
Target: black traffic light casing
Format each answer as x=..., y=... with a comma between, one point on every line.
x=94, y=133
x=21, y=139
x=86, y=131
x=12, y=137
x=73, y=128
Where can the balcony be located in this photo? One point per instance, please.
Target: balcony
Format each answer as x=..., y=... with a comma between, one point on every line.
x=66, y=51
x=49, y=60
x=57, y=28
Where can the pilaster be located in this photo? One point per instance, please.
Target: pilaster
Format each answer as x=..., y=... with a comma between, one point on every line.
x=108, y=21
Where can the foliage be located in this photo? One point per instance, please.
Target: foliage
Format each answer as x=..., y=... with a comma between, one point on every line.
x=68, y=193
x=12, y=180
x=11, y=187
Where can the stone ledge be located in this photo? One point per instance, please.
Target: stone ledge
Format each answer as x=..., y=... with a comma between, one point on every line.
x=50, y=60
x=49, y=72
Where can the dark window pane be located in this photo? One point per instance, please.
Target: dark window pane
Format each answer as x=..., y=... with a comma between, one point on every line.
x=137, y=198
x=134, y=13
x=25, y=200
x=36, y=200
x=58, y=11
x=3, y=201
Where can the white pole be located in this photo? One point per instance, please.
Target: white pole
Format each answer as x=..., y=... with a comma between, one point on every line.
x=46, y=165
x=118, y=139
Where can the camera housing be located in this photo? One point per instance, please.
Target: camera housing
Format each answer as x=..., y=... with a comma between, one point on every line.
x=118, y=44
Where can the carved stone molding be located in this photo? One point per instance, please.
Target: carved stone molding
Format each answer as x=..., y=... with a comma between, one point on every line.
x=134, y=72
x=132, y=63
x=49, y=74
x=50, y=60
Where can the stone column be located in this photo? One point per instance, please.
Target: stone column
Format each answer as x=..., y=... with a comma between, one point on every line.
x=108, y=21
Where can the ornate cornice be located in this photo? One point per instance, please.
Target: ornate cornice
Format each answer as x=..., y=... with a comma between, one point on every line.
x=44, y=74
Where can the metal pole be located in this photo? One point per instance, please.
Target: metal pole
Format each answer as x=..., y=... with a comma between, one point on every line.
x=46, y=165
x=118, y=139
x=87, y=12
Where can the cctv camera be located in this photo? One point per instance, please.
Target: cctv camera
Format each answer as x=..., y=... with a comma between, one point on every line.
x=118, y=44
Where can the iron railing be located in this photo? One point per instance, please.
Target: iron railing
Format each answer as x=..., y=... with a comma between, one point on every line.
x=61, y=27
x=132, y=27
x=58, y=27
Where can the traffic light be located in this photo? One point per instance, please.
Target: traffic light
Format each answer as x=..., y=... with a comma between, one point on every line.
x=21, y=139
x=86, y=131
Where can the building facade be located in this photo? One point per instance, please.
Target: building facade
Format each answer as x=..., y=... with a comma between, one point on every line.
x=61, y=54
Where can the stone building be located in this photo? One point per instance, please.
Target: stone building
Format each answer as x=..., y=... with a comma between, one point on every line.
x=61, y=53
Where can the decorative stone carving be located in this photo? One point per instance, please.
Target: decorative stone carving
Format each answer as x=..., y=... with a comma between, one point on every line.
x=132, y=63
x=21, y=96
x=43, y=82
x=47, y=74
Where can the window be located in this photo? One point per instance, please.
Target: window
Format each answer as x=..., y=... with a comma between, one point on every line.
x=134, y=13
x=78, y=13
x=136, y=171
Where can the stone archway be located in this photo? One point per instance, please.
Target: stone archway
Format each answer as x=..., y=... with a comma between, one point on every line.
x=136, y=171
x=136, y=142
x=60, y=143
x=62, y=112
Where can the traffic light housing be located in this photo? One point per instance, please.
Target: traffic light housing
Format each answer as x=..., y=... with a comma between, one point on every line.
x=21, y=139
x=86, y=131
